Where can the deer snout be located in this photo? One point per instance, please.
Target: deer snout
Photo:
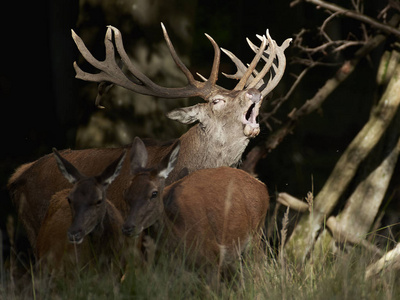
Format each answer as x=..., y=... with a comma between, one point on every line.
x=76, y=236
x=254, y=95
x=130, y=230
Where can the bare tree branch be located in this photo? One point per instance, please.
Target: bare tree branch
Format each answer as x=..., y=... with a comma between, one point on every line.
x=312, y=104
x=306, y=231
x=342, y=235
x=390, y=261
x=292, y=202
x=357, y=16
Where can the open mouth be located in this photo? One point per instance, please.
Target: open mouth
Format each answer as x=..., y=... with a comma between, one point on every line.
x=74, y=241
x=250, y=114
x=249, y=120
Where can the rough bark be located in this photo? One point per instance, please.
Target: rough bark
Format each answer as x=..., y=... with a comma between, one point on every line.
x=303, y=238
x=362, y=206
x=390, y=261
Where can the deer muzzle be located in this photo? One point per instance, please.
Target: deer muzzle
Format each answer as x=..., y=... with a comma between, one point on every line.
x=76, y=237
x=131, y=230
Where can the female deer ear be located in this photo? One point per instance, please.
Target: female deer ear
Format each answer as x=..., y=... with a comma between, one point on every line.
x=66, y=168
x=138, y=156
x=168, y=163
x=187, y=115
x=112, y=171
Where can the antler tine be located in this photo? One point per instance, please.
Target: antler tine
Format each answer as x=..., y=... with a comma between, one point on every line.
x=253, y=64
x=127, y=62
x=241, y=68
x=176, y=58
x=268, y=64
x=111, y=72
x=215, y=67
x=278, y=68
x=272, y=83
x=102, y=76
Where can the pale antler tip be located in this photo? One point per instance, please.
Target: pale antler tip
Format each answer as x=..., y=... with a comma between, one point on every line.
x=225, y=51
x=114, y=29
x=74, y=35
x=209, y=37
x=286, y=43
x=201, y=76
x=109, y=32
x=163, y=27
x=268, y=35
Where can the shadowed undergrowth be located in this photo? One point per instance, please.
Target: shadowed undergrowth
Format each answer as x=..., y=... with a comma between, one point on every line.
x=258, y=276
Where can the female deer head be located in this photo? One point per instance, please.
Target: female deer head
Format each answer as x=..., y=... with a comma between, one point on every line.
x=146, y=188
x=87, y=198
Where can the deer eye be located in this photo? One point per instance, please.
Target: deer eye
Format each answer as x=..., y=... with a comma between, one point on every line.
x=154, y=195
x=69, y=200
x=218, y=103
x=98, y=202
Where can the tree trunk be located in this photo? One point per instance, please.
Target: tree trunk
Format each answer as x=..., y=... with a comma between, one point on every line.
x=303, y=238
x=363, y=205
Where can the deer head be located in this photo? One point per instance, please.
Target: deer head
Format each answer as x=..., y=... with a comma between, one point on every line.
x=87, y=198
x=236, y=109
x=146, y=188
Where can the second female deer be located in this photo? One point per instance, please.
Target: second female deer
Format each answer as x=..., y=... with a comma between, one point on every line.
x=81, y=224
x=212, y=213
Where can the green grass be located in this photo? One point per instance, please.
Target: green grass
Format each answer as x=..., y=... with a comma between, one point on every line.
x=263, y=276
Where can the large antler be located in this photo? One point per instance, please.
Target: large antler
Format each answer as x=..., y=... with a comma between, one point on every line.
x=274, y=57
x=111, y=72
x=248, y=77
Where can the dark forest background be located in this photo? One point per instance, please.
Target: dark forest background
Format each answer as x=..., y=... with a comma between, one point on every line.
x=44, y=106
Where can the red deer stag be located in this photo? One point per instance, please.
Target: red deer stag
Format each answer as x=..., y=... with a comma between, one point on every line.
x=84, y=215
x=226, y=122
x=213, y=213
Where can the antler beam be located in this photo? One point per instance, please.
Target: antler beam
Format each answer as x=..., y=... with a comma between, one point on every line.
x=248, y=77
x=273, y=56
x=111, y=72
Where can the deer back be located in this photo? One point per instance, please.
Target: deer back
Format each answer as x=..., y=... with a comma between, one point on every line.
x=212, y=213
x=216, y=212
x=33, y=184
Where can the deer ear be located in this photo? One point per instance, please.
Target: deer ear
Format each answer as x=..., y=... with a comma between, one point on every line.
x=168, y=163
x=66, y=168
x=187, y=115
x=112, y=171
x=138, y=155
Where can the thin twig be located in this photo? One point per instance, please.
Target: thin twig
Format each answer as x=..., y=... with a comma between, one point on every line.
x=357, y=16
x=313, y=103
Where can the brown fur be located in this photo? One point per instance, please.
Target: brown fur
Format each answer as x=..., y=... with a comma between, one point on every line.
x=83, y=216
x=53, y=248
x=218, y=140
x=212, y=213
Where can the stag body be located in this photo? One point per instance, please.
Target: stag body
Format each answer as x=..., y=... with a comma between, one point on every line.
x=81, y=224
x=212, y=213
x=226, y=122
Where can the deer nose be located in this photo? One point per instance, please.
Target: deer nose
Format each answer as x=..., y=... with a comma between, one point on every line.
x=76, y=237
x=254, y=95
x=128, y=230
